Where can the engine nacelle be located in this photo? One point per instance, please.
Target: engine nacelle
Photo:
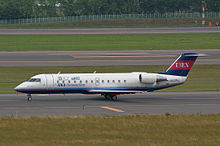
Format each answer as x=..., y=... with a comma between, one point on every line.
x=147, y=78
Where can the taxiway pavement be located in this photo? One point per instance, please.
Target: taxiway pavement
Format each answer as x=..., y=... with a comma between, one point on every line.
x=78, y=104
x=102, y=58
x=108, y=31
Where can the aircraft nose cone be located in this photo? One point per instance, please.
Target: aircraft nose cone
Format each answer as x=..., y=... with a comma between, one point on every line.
x=19, y=87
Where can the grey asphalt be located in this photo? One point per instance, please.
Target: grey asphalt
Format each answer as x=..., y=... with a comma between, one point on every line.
x=78, y=104
x=109, y=31
x=102, y=58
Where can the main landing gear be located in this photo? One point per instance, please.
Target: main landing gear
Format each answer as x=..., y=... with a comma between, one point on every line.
x=110, y=97
x=29, y=98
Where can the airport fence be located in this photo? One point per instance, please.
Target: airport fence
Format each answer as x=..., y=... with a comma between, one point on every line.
x=109, y=17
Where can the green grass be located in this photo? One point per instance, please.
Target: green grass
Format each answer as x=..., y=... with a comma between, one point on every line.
x=109, y=42
x=201, y=77
x=115, y=23
x=112, y=130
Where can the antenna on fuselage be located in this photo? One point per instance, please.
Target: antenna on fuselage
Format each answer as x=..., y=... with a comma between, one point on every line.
x=59, y=72
x=94, y=72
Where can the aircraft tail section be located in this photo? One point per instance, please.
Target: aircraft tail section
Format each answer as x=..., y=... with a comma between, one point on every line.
x=182, y=64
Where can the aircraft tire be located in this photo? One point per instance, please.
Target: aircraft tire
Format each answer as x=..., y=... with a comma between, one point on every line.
x=114, y=97
x=110, y=97
x=29, y=98
x=106, y=96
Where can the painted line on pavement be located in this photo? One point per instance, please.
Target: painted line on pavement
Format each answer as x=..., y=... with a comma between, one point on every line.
x=113, y=109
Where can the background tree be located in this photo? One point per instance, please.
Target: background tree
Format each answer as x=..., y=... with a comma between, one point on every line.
x=14, y=9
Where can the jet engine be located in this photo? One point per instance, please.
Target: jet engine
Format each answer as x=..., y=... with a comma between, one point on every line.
x=147, y=78
x=151, y=79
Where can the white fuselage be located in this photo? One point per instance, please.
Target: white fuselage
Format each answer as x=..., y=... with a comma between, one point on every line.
x=96, y=83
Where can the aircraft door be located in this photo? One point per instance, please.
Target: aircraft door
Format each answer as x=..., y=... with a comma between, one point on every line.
x=43, y=82
x=97, y=81
x=49, y=81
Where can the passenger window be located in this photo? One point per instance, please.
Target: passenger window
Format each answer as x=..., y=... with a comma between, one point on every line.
x=102, y=81
x=63, y=82
x=108, y=81
x=74, y=81
x=80, y=81
x=91, y=81
x=113, y=81
x=124, y=81
x=86, y=81
x=69, y=81
x=57, y=82
x=118, y=81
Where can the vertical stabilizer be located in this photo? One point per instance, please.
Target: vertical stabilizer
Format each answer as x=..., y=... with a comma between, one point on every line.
x=182, y=64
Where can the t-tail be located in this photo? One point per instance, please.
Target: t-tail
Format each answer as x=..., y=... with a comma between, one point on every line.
x=182, y=64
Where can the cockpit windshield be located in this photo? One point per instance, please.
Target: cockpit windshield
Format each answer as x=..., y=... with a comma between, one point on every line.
x=34, y=80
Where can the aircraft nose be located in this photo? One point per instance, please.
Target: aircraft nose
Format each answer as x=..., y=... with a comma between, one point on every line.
x=19, y=87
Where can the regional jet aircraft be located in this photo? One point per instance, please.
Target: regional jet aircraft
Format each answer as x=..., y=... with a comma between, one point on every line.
x=109, y=85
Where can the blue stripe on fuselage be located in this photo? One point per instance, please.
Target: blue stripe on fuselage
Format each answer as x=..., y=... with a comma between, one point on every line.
x=86, y=90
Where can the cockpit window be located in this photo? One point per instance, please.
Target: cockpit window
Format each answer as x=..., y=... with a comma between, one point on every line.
x=34, y=80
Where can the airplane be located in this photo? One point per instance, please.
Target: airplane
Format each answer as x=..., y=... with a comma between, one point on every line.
x=109, y=85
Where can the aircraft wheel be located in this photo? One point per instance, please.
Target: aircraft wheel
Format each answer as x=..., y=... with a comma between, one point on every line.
x=114, y=97
x=29, y=98
x=106, y=96
x=110, y=97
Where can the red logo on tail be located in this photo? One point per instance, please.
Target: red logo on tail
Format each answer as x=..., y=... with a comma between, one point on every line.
x=182, y=65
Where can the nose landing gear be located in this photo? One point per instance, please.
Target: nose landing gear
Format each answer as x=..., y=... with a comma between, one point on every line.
x=29, y=98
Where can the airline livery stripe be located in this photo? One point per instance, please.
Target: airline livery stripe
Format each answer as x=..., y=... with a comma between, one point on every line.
x=113, y=109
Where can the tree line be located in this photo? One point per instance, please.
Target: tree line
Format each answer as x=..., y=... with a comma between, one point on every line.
x=15, y=9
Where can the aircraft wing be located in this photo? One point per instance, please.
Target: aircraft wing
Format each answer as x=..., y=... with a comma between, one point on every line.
x=114, y=91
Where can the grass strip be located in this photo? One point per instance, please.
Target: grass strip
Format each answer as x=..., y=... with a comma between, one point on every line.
x=201, y=77
x=112, y=130
x=109, y=42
